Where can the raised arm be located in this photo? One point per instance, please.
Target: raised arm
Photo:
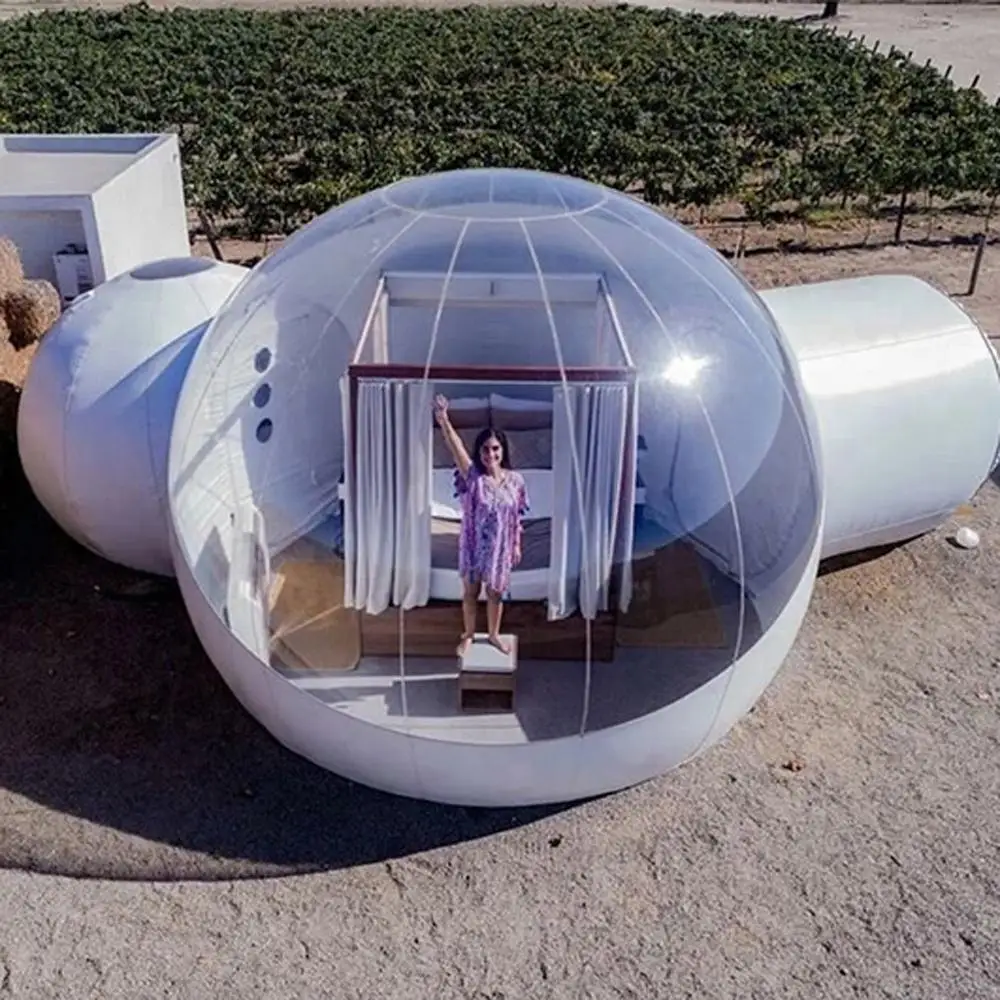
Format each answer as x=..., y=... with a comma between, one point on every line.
x=454, y=440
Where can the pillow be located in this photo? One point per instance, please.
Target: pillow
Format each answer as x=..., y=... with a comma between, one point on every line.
x=442, y=453
x=470, y=411
x=510, y=414
x=444, y=504
x=531, y=449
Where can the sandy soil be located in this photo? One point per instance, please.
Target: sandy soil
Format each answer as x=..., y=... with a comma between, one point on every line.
x=155, y=842
x=141, y=810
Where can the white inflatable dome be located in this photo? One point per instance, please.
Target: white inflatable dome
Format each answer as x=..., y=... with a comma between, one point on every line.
x=95, y=415
x=644, y=393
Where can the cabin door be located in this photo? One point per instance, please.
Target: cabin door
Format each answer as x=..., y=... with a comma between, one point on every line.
x=249, y=576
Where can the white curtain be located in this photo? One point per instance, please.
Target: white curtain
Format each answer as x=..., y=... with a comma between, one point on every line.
x=387, y=510
x=593, y=518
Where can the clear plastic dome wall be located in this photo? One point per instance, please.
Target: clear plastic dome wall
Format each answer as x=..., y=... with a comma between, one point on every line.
x=646, y=398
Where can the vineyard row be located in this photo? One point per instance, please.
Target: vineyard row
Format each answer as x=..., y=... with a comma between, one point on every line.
x=283, y=114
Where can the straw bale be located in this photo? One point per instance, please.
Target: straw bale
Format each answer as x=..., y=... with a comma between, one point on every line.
x=30, y=311
x=11, y=271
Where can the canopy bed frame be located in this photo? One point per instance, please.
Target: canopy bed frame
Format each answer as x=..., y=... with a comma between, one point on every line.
x=399, y=512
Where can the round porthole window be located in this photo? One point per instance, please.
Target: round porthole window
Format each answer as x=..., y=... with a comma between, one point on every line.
x=262, y=359
x=264, y=431
x=262, y=396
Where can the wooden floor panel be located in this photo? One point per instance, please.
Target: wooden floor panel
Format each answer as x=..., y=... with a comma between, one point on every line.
x=434, y=630
x=672, y=606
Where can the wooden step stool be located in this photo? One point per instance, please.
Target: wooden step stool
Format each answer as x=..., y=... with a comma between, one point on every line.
x=486, y=676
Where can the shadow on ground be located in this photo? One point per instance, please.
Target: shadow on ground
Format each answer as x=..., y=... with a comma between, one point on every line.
x=848, y=560
x=123, y=755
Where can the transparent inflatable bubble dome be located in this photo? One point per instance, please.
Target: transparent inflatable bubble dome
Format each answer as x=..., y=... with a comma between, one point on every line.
x=637, y=384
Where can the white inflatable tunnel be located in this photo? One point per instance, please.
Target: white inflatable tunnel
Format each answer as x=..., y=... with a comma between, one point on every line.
x=906, y=391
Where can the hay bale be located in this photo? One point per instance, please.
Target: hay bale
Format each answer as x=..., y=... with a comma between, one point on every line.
x=30, y=311
x=11, y=271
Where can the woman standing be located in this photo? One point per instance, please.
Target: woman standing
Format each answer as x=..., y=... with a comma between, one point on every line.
x=494, y=502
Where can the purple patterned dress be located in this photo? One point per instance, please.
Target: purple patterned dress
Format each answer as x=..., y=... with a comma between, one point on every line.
x=491, y=513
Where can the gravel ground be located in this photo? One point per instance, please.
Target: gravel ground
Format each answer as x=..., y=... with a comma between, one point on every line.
x=869, y=872
x=842, y=842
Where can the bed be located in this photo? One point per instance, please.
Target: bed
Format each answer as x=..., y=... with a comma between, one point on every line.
x=529, y=580
x=572, y=380
x=528, y=426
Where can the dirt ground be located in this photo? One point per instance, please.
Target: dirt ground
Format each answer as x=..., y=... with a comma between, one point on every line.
x=155, y=842
x=144, y=817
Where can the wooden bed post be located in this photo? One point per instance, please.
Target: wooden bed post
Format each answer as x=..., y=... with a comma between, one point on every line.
x=382, y=326
x=602, y=321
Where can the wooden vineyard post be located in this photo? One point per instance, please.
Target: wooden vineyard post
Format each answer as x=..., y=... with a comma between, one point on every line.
x=977, y=263
x=209, y=230
x=899, y=218
x=741, y=247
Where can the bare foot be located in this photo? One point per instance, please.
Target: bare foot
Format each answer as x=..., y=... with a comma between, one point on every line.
x=495, y=640
x=463, y=643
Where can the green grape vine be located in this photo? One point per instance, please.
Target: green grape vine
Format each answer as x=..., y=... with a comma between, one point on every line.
x=283, y=114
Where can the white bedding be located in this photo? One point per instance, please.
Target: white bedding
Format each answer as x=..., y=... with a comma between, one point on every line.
x=530, y=581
